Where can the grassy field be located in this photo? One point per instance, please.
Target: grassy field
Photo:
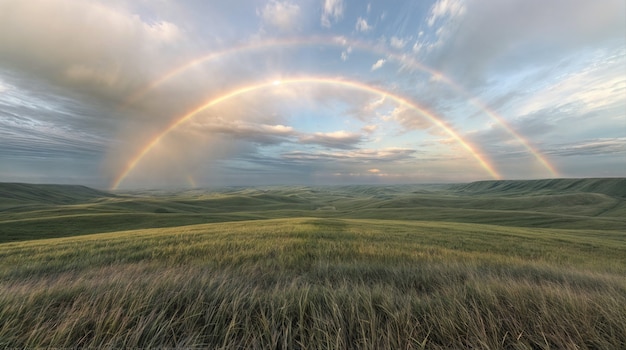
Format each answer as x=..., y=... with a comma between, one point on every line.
x=400, y=267
x=48, y=211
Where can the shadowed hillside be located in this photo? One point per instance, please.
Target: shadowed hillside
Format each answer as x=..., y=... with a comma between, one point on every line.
x=21, y=193
x=615, y=187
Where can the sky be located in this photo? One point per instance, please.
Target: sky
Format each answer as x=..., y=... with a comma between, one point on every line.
x=129, y=94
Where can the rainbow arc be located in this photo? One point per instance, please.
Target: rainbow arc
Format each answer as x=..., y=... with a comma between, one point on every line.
x=342, y=42
x=355, y=85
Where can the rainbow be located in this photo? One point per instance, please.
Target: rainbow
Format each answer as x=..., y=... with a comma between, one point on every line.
x=303, y=80
x=522, y=140
x=498, y=119
x=192, y=181
x=343, y=42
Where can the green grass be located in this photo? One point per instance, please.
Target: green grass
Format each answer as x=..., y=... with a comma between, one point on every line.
x=609, y=186
x=318, y=283
x=46, y=212
x=16, y=194
x=488, y=265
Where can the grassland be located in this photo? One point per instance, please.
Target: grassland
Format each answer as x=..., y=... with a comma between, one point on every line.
x=540, y=266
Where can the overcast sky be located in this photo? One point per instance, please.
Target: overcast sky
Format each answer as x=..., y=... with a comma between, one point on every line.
x=173, y=93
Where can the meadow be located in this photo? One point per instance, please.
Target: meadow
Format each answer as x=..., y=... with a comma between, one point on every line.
x=489, y=265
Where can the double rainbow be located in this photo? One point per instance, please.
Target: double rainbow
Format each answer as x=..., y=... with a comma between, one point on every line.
x=335, y=42
x=304, y=80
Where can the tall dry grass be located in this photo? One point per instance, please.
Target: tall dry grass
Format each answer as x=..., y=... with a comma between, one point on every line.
x=311, y=284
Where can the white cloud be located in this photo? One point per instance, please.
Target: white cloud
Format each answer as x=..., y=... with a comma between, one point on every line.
x=445, y=8
x=397, y=43
x=378, y=64
x=593, y=147
x=408, y=118
x=472, y=35
x=596, y=87
x=359, y=155
x=284, y=15
x=372, y=106
x=417, y=47
x=90, y=48
x=369, y=108
x=337, y=139
x=3, y=87
x=332, y=11
x=369, y=129
x=447, y=14
x=242, y=127
x=346, y=53
x=362, y=26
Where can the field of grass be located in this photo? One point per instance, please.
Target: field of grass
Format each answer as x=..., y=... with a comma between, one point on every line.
x=401, y=267
x=48, y=211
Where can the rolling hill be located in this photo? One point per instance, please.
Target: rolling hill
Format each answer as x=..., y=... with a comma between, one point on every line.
x=497, y=264
x=317, y=283
x=15, y=194
x=45, y=211
x=614, y=187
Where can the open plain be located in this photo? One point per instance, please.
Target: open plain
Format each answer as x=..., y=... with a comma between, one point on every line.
x=498, y=264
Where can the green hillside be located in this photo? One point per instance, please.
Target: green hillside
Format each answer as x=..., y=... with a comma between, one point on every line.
x=15, y=194
x=488, y=265
x=47, y=211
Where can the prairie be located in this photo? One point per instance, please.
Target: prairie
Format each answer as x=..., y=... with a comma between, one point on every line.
x=494, y=265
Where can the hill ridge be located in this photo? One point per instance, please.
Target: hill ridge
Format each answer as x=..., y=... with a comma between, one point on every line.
x=26, y=193
x=614, y=187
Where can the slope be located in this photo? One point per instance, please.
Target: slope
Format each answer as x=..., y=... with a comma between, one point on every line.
x=16, y=194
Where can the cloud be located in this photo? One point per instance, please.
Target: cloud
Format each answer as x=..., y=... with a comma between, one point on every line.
x=446, y=14
x=259, y=133
x=595, y=87
x=42, y=124
x=337, y=139
x=445, y=8
x=266, y=134
x=370, y=108
x=397, y=43
x=373, y=171
x=369, y=129
x=362, y=26
x=27, y=138
x=477, y=37
x=70, y=71
x=285, y=15
x=378, y=64
x=408, y=118
x=345, y=53
x=84, y=46
x=417, y=47
x=356, y=156
x=332, y=11
x=594, y=147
